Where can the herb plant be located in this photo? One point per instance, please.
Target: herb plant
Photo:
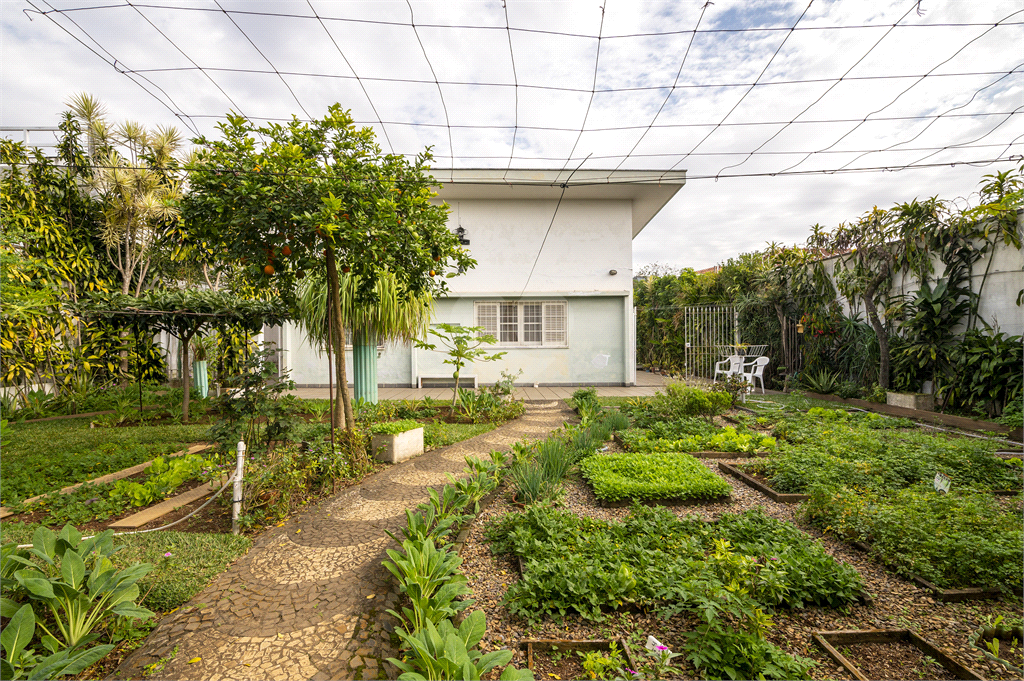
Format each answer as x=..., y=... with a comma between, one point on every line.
x=632, y=475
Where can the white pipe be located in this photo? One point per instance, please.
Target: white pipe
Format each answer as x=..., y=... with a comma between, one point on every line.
x=236, y=499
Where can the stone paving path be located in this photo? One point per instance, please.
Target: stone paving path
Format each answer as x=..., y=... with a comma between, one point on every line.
x=308, y=601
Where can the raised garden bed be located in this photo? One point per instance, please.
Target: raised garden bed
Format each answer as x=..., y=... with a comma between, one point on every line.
x=670, y=477
x=557, y=658
x=944, y=595
x=890, y=654
x=764, y=489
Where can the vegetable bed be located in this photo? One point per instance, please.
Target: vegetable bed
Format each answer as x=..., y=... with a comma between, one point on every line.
x=956, y=540
x=652, y=558
x=667, y=475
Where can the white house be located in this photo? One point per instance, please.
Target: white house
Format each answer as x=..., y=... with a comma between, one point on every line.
x=553, y=281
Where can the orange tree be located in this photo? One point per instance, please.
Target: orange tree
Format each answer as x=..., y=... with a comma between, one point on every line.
x=285, y=200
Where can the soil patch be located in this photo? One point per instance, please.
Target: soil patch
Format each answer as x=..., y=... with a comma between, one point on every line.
x=896, y=660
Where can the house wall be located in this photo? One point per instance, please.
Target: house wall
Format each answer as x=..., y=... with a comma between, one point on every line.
x=586, y=240
x=598, y=351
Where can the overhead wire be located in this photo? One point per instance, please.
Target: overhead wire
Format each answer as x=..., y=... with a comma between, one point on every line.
x=172, y=107
x=519, y=29
x=679, y=72
x=903, y=92
x=447, y=120
x=562, y=88
x=265, y=58
x=187, y=57
x=749, y=90
x=515, y=79
x=823, y=94
x=977, y=139
x=359, y=80
x=947, y=111
x=590, y=102
x=654, y=176
x=508, y=28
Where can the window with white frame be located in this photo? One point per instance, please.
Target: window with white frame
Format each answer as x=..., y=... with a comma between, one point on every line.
x=526, y=324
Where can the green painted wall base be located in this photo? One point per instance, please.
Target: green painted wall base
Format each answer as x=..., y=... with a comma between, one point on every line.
x=364, y=367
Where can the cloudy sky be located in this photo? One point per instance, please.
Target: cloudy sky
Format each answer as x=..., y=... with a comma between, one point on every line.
x=753, y=98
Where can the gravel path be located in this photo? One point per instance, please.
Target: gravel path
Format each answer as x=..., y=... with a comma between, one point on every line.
x=899, y=604
x=308, y=601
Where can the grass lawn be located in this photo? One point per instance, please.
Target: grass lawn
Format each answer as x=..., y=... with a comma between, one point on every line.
x=437, y=435
x=613, y=401
x=41, y=457
x=195, y=559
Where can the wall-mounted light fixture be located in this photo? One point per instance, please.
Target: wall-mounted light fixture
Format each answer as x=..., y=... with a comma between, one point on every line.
x=461, y=233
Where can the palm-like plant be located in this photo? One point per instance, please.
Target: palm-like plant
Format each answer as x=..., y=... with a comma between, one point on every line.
x=134, y=178
x=395, y=315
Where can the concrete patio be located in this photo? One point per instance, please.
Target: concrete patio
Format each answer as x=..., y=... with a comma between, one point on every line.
x=646, y=385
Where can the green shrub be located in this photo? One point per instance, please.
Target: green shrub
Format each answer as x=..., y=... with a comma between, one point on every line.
x=651, y=476
x=679, y=400
x=654, y=559
x=955, y=540
x=395, y=427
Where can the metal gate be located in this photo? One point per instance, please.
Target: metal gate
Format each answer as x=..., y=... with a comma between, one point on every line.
x=709, y=331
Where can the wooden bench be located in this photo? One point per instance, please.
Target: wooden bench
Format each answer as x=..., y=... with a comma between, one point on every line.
x=463, y=380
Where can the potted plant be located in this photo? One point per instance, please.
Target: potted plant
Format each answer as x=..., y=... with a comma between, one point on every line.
x=396, y=441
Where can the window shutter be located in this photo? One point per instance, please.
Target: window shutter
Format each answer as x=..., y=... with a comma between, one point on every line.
x=487, y=317
x=533, y=323
x=509, y=323
x=554, y=324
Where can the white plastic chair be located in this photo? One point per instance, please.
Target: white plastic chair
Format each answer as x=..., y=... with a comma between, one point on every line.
x=735, y=366
x=755, y=369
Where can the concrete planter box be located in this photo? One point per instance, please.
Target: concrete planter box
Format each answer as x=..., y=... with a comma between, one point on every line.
x=399, y=447
x=924, y=402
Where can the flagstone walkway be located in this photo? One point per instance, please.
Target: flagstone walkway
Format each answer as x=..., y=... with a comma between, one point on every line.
x=308, y=601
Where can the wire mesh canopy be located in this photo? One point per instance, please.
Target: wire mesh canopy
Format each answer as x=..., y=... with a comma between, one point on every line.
x=721, y=89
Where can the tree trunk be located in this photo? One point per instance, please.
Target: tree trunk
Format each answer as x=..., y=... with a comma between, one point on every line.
x=876, y=324
x=342, y=404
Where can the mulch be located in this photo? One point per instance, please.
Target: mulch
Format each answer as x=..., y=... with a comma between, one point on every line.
x=898, y=603
x=895, y=660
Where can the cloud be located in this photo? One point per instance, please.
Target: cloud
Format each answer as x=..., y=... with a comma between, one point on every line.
x=526, y=72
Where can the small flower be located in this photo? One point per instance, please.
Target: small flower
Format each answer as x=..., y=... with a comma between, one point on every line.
x=168, y=554
x=634, y=673
x=662, y=647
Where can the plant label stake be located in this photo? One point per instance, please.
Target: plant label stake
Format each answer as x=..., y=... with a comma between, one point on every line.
x=942, y=483
x=236, y=497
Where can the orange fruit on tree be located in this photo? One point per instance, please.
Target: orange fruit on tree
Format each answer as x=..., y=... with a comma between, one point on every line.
x=269, y=269
x=286, y=251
